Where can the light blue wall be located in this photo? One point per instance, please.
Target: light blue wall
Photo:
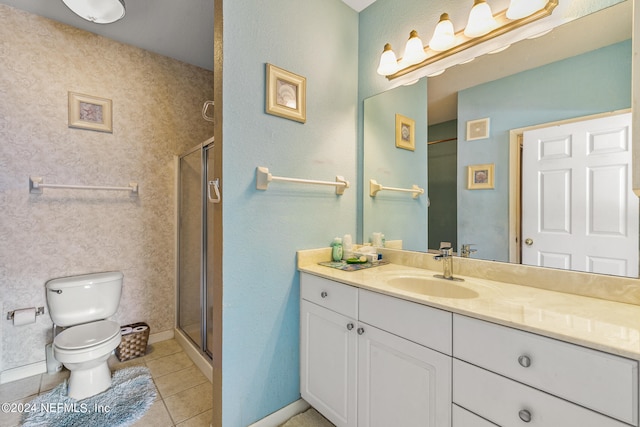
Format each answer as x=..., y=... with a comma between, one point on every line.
x=591, y=83
x=263, y=229
x=397, y=215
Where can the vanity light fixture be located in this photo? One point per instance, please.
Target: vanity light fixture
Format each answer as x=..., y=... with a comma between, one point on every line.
x=482, y=25
x=443, y=36
x=414, y=50
x=388, y=62
x=481, y=20
x=97, y=11
x=522, y=8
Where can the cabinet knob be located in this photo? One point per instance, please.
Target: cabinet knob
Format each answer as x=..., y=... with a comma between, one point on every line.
x=324, y=294
x=360, y=331
x=349, y=326
x=525, y=415
x=524, y=361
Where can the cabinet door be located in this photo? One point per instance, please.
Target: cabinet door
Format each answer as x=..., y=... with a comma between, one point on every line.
x=401, y=383
x=328, y=374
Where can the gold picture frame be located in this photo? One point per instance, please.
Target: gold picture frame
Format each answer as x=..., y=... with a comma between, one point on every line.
x=90, y=112
x=405, y=133
x=480, y=177
x=286, y=94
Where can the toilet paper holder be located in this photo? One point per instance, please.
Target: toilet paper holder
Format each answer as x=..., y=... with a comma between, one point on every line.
x=39, y=311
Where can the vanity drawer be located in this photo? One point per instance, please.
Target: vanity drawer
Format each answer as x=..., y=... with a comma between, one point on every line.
x=597, y=380
x=509, y=403
x=460, y=417
x=419, y=323
x=329, y=294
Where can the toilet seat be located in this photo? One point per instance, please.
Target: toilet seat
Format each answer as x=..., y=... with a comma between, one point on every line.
x=87, y=335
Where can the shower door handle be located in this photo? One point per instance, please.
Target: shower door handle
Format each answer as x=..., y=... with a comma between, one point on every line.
x=216, y=187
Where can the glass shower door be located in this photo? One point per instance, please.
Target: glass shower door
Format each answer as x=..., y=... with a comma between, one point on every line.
x=190, y=250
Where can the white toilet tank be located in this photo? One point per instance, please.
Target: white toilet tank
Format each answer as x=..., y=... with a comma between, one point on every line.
x=80, y=299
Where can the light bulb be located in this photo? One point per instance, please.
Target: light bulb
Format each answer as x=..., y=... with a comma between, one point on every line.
x=443, y=36
x=481, y=20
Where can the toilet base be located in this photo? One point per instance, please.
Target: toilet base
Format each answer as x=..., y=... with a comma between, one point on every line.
x=85, y=383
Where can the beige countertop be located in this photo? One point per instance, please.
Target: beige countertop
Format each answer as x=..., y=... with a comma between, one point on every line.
x=600, y=324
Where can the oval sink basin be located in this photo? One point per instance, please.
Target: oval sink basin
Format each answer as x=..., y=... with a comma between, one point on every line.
x=433, y=287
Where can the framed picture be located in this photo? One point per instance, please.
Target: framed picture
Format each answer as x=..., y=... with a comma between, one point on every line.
x=286, y=94
x=90, y=112
x=480, y=177
x=478, y=129
x=405, y=133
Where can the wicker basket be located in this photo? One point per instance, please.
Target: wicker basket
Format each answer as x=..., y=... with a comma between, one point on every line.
x=133, y=344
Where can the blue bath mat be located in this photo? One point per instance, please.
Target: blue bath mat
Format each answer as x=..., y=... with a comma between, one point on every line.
x=131, y=394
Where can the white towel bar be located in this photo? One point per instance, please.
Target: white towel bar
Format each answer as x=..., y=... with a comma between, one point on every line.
x=374, y=187
x=36, y=185
x=263, y=178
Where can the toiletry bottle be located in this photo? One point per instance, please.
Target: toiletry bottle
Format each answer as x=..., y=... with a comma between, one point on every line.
x=336, y=251
x=347, y=247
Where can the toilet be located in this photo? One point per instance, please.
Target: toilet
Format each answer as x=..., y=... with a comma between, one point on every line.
x=81, y=305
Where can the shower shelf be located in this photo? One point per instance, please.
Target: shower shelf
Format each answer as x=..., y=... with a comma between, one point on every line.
x=263, y=178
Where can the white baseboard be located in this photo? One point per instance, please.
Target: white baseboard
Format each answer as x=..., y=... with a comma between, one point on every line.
x=21, y=372
x=281, y=416
x=200, y=360
x=161, y=336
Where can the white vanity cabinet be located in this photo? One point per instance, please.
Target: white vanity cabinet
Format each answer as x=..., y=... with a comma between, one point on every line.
x=366, y=361
x=516, y=378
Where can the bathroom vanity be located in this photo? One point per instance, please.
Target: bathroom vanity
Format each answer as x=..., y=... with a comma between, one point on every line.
x=391, y=345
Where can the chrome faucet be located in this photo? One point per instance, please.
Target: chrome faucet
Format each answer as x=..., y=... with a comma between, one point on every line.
x=466, y=250
x=446, y=256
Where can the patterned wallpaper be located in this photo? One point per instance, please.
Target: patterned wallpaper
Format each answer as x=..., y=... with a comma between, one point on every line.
x=156, y=115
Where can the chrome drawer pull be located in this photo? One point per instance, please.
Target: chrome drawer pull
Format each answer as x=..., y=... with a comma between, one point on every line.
x=360, y=331
x=349, y=326
x=525, y=415
x=324, y=294
x=524, y=361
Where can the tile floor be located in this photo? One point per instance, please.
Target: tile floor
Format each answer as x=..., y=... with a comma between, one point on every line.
x=184, y=397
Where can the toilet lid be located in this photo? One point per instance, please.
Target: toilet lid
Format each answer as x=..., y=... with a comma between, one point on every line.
x=87, y=335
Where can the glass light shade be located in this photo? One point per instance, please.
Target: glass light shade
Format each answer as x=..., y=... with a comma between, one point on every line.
x=388, y=62
x=414, y=50
x=481, y=20
x=443, y=36
x=98, y=11
x=519, y=9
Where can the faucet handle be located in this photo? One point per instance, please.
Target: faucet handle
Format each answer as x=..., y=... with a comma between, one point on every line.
x=466, y=250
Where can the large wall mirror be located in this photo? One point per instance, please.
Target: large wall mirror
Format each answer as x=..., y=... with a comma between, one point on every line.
x=470, y=120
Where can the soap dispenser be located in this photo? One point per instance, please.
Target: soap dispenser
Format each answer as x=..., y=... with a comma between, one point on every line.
x=336, y=251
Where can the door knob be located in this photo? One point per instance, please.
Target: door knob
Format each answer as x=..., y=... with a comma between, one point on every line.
x=528, y=242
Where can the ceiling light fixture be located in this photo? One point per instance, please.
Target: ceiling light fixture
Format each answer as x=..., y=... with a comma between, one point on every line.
x=482, y=25
x=97, y=11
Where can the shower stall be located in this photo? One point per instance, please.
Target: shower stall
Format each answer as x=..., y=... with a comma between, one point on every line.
x=198, y=193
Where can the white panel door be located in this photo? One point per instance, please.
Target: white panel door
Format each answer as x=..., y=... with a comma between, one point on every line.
x=328, y=376
x=401, y=383
x=578, y=208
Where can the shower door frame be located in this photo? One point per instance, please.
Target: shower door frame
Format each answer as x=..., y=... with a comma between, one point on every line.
x=204, y=293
